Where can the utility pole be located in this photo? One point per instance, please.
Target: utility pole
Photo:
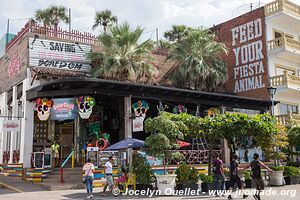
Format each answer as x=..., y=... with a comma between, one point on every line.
x=7, y=32
x=156, y=31
x=69, y=19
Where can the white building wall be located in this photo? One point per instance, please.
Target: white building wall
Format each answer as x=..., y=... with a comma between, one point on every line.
x=284, y=95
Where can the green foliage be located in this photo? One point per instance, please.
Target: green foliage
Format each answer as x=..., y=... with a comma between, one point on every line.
x=277, y=168
x=164, y=134
x=142, y=170
x=177, y=33
x=104, y=18
x=123, y=57
x=247, y=175
x=200, y=65
x=207, y=178
x=294, y=135
x=52, y=16
x=168, y=127
x=291, y=171
x=186, y=174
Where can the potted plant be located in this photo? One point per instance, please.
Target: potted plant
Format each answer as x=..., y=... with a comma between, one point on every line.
x=248, y=180
x=289, y=174
x=187, y=178
x=207, y=181
x=276, y=177
x=143, y=172
x=227, y=179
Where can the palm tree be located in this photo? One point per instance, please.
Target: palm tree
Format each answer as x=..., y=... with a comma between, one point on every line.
x=177, y=33
x=57, y=14
x=43, y=17
x=104, y=18
x=199, y=63
x=123, y=57
x=52, y=16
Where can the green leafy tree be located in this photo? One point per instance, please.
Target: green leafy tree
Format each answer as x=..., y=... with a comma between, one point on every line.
x=104, y=18
x=199, y=63
x=122, y=56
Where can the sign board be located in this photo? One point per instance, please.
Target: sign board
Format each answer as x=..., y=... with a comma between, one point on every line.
x=245, y=39
x=92, y=153
x=104, y=155
x=48, y=158
x=59, y=55
x=64, y=109
x=10, y=125
x=138, y=124
x=38, y=160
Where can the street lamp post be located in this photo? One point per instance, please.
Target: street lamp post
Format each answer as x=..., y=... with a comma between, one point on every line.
x=272, y=91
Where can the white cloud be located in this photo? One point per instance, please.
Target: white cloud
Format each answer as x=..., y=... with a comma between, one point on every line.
x=152, y=14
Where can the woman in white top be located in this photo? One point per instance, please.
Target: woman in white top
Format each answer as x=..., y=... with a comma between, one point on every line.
x=88, y=170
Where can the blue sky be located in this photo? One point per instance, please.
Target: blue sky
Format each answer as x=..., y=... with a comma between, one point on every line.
x=149, y=14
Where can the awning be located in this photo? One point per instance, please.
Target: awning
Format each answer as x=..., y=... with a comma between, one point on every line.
x=90, y=86
x=57, y=72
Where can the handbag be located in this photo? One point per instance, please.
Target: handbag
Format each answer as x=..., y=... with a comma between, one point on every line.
x=84, y=178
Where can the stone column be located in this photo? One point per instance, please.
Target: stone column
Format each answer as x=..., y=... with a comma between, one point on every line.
x=27, y=130
x=3, y=106
x=13, y=134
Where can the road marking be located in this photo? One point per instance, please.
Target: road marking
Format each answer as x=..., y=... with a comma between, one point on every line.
x=10, y=187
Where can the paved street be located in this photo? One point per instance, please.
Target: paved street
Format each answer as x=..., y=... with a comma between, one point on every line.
x=80, y=194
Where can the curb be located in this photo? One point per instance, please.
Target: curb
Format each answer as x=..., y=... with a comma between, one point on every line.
x=10, y=187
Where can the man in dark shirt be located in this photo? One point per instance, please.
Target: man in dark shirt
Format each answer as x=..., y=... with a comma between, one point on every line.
x=256, y=165
x=234, y=175
x=218, y=171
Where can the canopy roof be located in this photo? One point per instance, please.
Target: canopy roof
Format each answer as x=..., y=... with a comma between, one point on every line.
x=90, y=86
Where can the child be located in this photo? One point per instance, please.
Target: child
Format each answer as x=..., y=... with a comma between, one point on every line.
x=122, y=179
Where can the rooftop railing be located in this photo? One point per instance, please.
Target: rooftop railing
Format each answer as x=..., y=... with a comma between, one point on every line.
x=73, y=35
x=282, y=5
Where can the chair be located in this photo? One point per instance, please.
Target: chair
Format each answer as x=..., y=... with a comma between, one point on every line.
x=131, y=181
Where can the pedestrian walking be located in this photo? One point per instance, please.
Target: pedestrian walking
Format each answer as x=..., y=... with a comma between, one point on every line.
x=219, y=176
x=234, y=176
x=256, y=166
x=108, y=174
x=88, y=170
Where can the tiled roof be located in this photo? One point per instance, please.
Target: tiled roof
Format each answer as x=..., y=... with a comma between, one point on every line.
x=58, y=72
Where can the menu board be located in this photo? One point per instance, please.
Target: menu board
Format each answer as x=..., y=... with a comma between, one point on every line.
x=104, y=155
x=38, y=160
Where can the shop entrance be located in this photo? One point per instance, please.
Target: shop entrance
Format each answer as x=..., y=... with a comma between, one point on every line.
x=65, y=132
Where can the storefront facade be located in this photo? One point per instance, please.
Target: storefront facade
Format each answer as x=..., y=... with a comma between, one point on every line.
x=47, y=89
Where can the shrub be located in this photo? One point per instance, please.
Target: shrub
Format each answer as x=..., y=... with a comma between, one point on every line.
x=291, y=171
x=186, y=174
x=207, y=178
x=247, y=175
x=142, y=170
x=277, y=168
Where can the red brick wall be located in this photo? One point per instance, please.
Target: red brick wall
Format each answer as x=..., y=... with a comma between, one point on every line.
x=245, y=39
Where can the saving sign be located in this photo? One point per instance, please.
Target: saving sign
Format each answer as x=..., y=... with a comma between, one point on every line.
x=11, y=125
x=248, y=52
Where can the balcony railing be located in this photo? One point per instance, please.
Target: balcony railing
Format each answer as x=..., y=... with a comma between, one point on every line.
x=288, y=118
x=283, y=42
x=282, y=5
x=285, y=80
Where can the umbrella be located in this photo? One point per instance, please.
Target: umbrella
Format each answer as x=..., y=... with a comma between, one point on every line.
x=127, y=143
x=183, y=144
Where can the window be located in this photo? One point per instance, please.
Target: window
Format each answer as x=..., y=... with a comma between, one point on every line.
x=283, y=108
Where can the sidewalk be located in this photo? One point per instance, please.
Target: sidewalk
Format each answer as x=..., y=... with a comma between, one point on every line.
x=17, y=185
